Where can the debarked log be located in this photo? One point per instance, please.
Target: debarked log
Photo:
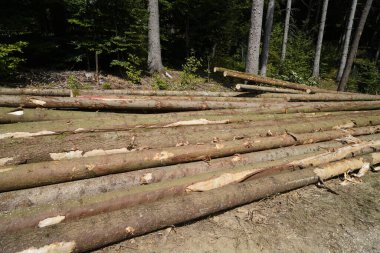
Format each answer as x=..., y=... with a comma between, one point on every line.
x=38, y=174
x=99, y=230
x=88, y=187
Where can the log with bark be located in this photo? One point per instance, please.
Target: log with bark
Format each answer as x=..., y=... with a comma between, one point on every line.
x=38, y=174
x=96, y=231
x=129, y=104
x=68, y=93
x=64, y=146
x=124, y=198
x=255, y=88
x=89, y=187
x=137, y=124
x=322, y=97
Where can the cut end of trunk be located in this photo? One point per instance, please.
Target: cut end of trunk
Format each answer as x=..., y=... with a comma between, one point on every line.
x=238, y=87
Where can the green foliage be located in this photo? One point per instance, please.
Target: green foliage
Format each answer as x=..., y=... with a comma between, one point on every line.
x=74, y=85
x=365, y=77
x=189, y=75
x=130, y=67
x=160, y=83
x=106, y=86
x=9, y=57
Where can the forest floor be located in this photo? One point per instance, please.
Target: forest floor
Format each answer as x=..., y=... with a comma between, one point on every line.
x=310, y=219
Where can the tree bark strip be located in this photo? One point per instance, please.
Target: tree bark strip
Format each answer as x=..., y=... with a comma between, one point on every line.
x=322, y=97
x=63, y=147
x=97, y=231
x=38, y=174
x=89, y=187
x=256, y=88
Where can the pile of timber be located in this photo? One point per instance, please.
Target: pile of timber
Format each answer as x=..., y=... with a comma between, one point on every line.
x=79, y=173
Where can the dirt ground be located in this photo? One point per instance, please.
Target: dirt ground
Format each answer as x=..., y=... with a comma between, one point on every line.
x=310, y=219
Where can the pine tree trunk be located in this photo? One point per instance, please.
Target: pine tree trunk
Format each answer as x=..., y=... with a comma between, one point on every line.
x=347, y=39
x=267, y=34
x=286, y=30
x=354, y=46
x=253, y=53
x=377, y=54
x=154, y=53
x=318, y=50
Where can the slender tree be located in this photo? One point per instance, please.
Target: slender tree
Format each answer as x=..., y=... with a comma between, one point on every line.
x=286, y=29
x=266, y=41
x=347, y=40
x=154, y=53
x=354, y=47
x=253, y=53
x=377, y=54
x=318, y=50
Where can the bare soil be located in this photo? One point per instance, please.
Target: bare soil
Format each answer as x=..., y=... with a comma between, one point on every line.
x=310, y=219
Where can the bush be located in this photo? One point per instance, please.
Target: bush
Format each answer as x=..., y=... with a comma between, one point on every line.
x=131, y=68
x=160, y=83
x=74, y=85
x=365, y=77
x=9, y=59
x=189, y=70
x=106, y=86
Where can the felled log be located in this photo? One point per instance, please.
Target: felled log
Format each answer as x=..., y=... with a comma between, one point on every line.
x=183, y=98
x=115, y=200
x=96, y=231
x=129, y=104
x=68, y=93
x=38, y=174
x=322, y=97
x=88, y=187
x=62, y=147
x=267, y=80
x=243, y=87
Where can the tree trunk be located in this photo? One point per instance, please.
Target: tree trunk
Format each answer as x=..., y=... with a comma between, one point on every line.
x=286, y=30
x=125, y=198
x=354, y=46
x=96, y=231
x=89, y=187
x=67, y=93
x=377, y=54
x=322, y=97
x=39, y=174
x=255, y=88
x=154, y=51
x=347, y=39
x=125, y=104
x=253, y=54
x=64, y=147
x=318, y=50
x=267, y=34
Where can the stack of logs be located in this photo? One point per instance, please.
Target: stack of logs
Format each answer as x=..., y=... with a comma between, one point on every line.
x=79, y=173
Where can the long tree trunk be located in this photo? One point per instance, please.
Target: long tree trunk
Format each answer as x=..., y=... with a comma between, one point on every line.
x=267, y=34
x=253, y=54
x=322, y=97
x=377, y=54
x=255, y=88
x=89, y=187
x=154, y=52
x=38, y=174
x=286, y=30
x=125, y=198
x=49, y=148
x=347, y=39
x=354, y=46
x=318, y=50
x=96, y=231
